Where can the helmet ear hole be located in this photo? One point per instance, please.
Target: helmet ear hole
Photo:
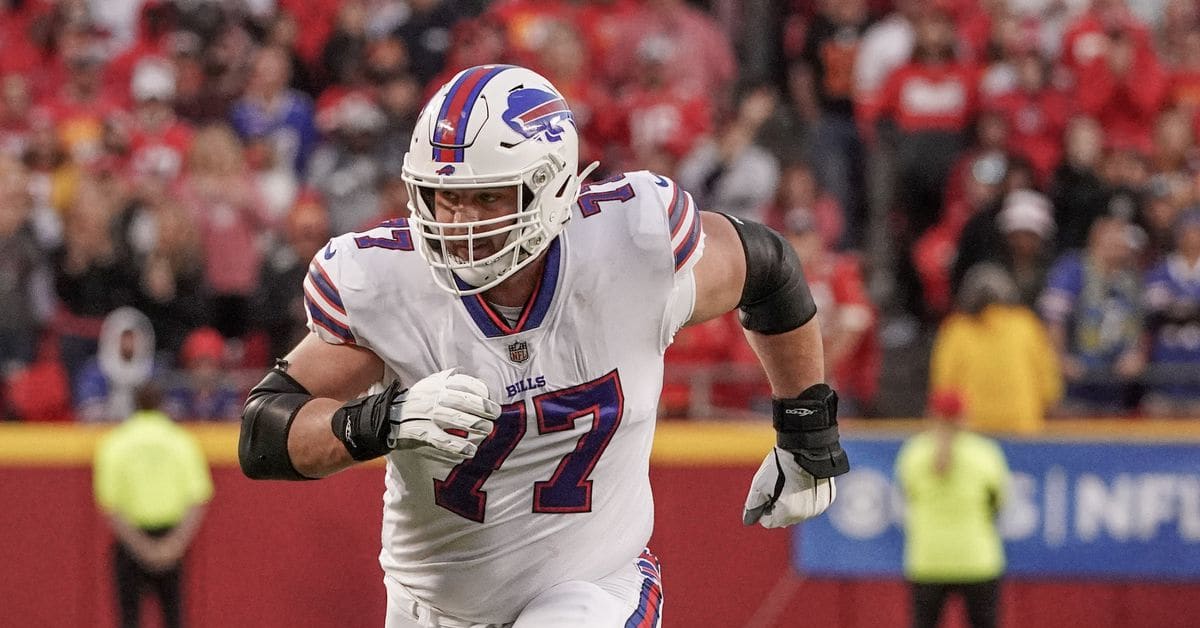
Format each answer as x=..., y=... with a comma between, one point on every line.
x=562, y=189
x=526, y=196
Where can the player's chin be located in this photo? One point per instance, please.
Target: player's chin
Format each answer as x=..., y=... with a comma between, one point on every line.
x=483, y=249
x=466, y=256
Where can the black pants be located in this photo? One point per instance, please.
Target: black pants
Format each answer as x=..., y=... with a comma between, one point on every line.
x=982, y=600
x=133, y=581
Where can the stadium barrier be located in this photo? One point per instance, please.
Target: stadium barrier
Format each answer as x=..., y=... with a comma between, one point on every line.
x=287, y=554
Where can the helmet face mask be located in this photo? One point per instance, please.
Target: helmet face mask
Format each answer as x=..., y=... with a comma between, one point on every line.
x=473, y=251
x=491, y=127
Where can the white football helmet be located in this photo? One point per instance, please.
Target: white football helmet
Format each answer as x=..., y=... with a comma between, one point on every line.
x=492, y=126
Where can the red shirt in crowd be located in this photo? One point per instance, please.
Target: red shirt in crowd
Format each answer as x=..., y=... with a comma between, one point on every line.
x=603, y=23
x=160, y=152
x=670, y=119
x=149, y=43
x=933, y=256
x=314, y=23
x=1125, y=106
x=1183, y=91
x=1087, y=40
x=974, y=27
x=229, y=216
x=20, y=55
x=527, y=23
x=1036, y=122
x=699, y=54
x=923, y=97
x=841, y=296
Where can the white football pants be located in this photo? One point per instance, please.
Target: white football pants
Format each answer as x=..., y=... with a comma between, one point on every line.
x=630, y=597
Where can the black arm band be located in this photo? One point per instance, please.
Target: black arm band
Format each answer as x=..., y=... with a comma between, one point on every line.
x=806, y=427
x=266, y=420
x=775, y=298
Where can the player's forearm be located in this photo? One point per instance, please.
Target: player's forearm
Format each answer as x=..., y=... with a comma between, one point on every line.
x=793, y=360
x=312, y=447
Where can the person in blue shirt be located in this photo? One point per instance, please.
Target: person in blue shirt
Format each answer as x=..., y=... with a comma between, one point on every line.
x=1173, y=322
x=270, y=109
x=125, y=359
x=1092, y=306
x=203, y=393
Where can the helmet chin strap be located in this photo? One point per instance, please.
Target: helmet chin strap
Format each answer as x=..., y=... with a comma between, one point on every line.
x=588, y=170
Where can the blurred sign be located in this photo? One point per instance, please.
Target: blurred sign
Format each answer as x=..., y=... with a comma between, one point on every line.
x=1112, y=510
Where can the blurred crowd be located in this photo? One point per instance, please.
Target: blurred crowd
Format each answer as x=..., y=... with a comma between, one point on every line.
x=168, y=169
x=1015, y=180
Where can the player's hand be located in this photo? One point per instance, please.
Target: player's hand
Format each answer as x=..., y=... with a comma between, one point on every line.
x=783, y=494
x=444, y=401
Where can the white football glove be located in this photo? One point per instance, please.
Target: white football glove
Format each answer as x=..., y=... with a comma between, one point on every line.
x=783, y=494
x=440, y=402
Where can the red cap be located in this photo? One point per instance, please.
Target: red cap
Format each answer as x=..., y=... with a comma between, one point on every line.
x=205, y=342
x=946, y=404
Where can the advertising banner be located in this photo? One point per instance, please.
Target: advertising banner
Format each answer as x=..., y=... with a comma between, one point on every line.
x=1110, y=510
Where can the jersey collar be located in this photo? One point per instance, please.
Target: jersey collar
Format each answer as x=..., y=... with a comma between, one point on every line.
x=493, y=325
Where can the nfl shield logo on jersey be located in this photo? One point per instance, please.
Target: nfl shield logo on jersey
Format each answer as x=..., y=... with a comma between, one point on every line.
x=518, y=351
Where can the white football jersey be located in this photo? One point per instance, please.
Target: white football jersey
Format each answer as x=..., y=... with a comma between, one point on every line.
x=560, y=489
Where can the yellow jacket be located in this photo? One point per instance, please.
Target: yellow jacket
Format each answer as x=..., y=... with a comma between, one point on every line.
x=1003, y=364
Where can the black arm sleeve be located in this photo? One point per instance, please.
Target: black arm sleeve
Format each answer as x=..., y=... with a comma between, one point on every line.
x=775, y=298
x=266, y=420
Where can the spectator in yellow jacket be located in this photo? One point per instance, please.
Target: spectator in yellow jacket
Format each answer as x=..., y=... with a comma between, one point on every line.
x=998, y=354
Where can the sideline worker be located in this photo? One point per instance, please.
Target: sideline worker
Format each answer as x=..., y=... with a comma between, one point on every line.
x=152, y=481
x=954, y=482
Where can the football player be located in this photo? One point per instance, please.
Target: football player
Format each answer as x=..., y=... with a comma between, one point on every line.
x=514, y=387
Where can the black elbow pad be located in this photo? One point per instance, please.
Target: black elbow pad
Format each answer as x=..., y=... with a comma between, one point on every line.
x=266, y=421
x=775, y=298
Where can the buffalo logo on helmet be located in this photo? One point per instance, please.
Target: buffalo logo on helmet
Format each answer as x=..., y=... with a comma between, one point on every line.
x=537, y=114
x=518, y=351
x=446, y=170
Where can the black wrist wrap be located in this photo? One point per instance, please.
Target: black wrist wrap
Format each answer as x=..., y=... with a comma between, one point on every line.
x=806, y=427
x=362, y=424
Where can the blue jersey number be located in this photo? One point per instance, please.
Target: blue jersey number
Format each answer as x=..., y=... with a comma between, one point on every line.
x=568, y=489
x=401, y=239
x=589, y=202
